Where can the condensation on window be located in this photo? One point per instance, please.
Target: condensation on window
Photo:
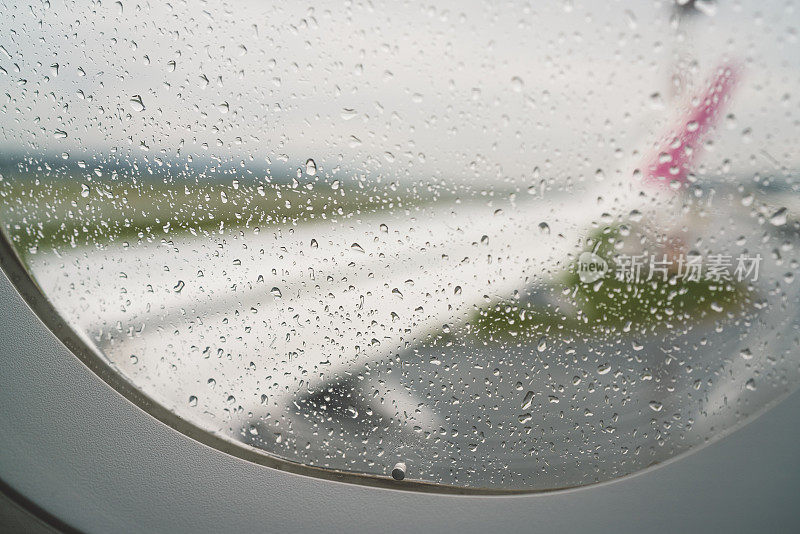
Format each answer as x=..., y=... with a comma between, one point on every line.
x=513, y=245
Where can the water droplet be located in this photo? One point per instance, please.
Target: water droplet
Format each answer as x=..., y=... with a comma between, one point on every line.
x=192, y=401
x=526, y=402
x=778, y=218
x=276, y=292
x=314, y=243
x=179, y=286
x=655, y=406
x=517, y=84
x=136, y=103
x=544, y=228
x=357, y=247
x=630, y=18
x=656, y=101
x=311, y=167
x=604, y=369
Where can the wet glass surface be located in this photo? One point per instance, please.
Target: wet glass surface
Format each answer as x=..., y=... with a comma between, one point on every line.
x=507, y=246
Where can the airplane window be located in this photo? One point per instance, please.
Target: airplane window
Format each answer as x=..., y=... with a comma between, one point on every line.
x=489, y=246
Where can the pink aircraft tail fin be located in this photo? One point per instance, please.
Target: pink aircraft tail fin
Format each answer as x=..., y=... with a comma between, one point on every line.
x=676, y=155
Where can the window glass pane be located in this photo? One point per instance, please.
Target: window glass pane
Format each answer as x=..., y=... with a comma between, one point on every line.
x=506, y=245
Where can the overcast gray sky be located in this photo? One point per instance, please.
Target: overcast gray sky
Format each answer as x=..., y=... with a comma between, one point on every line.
x=469, y=91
